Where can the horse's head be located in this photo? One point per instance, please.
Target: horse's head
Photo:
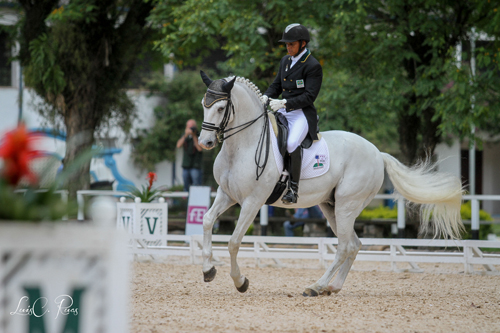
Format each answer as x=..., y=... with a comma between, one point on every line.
x=217, y=109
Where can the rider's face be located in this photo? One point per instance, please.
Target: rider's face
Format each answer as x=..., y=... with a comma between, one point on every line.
x=293, y=48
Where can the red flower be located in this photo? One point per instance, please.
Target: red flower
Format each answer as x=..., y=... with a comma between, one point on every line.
x=151, y=178
x=17, y=151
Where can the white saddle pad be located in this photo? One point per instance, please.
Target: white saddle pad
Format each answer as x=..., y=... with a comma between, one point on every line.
x=315, y=159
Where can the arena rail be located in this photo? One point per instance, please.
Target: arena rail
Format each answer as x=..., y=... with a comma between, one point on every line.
x=400, y=202
x=393, y=250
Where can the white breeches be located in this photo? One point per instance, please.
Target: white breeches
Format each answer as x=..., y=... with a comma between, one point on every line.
x=297, y=128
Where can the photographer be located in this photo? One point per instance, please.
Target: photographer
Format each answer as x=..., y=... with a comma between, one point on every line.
x=192, y=157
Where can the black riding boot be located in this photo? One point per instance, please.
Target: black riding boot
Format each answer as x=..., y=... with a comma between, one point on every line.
x=294, y=167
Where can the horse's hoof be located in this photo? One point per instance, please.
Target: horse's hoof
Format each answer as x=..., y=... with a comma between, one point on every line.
x=326, y=293
x=244, y=286
x=310, y=293
x=210, y=275
x=334, y=290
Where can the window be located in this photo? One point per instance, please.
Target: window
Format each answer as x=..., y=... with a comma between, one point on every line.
x=5, y=66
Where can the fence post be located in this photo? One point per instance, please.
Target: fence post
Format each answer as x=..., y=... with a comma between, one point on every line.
x=321, y=252
x=264, y=220
x=475, y=218
x=392, y=248
x=401, y=218
x=64, y=198
x=192, y=248
x=81, y=203
x=468, y=268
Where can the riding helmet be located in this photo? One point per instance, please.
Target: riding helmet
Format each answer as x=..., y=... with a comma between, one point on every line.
x=295, y=32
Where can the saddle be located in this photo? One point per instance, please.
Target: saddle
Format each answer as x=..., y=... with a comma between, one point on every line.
x=280, y=129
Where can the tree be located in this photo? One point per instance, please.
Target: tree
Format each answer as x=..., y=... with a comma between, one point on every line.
x=157, y=144
x=387, y=64
x=78, y=57
x=247, y=30
x=404, y=54
x=183, y=95
x=249, y=33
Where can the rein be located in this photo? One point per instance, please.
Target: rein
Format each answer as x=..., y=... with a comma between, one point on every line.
x=221, y=129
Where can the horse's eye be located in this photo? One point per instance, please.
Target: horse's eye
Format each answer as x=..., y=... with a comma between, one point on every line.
x=220, y=109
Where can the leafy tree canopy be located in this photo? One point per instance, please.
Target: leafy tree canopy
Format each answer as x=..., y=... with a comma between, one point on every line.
x=183, y=96
x=389, y=66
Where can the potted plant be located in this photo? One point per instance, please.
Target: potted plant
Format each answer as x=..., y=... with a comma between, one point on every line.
x=142, y=216
x=57, y=275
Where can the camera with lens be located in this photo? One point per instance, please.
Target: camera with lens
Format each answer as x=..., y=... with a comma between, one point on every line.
x=194, y=130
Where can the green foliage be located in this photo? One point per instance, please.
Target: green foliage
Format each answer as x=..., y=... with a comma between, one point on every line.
x=466, y=213
x=44, y=69
x=184, y=94
x=146, y=194
x=484, y=230
x=389, y=66
x=380, y=212
x=400, y=56
x=384, y=212
x=247, y=30
x=249, y=232
x=33, y=205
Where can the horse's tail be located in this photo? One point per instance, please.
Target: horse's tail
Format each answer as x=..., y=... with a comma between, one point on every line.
x=440, y=195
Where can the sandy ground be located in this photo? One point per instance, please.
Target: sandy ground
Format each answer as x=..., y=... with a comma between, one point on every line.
x=170, y=296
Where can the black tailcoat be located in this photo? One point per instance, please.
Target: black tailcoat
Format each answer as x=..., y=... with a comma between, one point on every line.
x=300, y=86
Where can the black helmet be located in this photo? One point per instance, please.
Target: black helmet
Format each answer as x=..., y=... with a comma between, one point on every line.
x=295, y=32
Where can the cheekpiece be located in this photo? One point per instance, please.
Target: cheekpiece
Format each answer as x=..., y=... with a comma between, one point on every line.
x=212, y=96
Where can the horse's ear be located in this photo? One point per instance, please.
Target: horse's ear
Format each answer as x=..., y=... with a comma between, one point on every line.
x=226, y=87
x=205, y=78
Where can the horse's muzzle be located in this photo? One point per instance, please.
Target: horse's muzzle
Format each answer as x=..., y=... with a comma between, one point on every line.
x=207, y=143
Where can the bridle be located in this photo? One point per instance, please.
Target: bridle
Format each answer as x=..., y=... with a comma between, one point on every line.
x=210, y=98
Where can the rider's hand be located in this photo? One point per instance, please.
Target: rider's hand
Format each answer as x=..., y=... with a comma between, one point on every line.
x=277, y=104
x=264, y=99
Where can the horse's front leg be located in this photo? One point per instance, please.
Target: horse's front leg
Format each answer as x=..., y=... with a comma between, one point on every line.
x=247, y=215
x=221, y=203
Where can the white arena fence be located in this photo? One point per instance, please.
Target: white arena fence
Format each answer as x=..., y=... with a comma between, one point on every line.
x=396, y=251
x=401, y=223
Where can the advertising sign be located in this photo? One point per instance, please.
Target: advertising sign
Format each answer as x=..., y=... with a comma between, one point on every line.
x=198, y=204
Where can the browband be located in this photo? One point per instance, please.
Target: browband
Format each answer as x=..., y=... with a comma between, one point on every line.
x=212, y=96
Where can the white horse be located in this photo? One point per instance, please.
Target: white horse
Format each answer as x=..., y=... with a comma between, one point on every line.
x=355, y=175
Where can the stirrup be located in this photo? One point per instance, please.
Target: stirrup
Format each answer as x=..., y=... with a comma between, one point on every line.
x=290, y=197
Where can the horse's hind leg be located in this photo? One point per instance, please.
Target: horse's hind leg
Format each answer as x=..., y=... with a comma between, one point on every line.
x=342, y=223
x=221, y=203
x=339, y=280
x=329, y=212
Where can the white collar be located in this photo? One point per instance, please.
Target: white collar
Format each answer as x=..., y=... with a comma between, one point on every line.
x=297, y=57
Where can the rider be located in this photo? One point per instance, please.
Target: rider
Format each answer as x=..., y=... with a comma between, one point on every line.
x=298, y=81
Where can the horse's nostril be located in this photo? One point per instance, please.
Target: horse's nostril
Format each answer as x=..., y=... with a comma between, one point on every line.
x=210, y=143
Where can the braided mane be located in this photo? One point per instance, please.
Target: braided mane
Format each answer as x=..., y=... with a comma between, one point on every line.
x=249, y=84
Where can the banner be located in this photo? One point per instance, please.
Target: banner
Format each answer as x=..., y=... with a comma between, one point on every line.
x=198, y=204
